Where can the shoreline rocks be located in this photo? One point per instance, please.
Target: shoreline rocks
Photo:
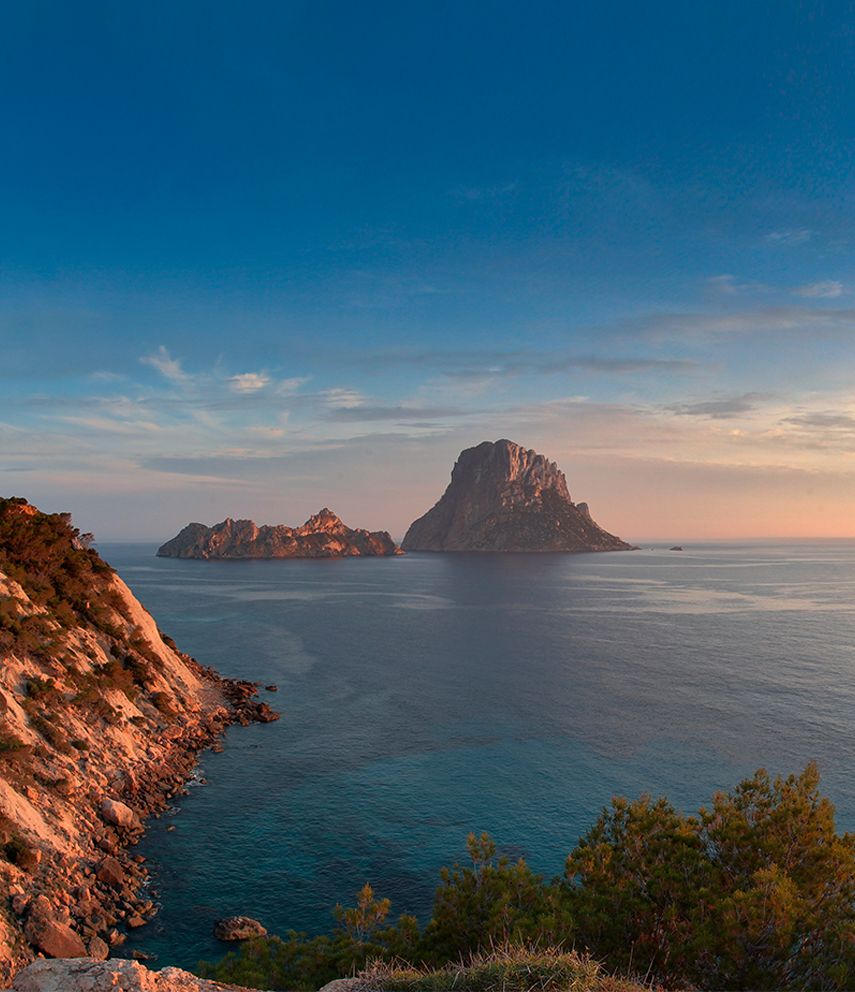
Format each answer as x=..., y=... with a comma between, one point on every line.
x=235, y=928
x=103, y=719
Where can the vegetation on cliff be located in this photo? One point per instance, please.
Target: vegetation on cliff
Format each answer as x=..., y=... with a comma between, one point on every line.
x=754, y=892
x=100, y=721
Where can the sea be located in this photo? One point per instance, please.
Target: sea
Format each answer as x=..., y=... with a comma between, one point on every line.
x=427, y=696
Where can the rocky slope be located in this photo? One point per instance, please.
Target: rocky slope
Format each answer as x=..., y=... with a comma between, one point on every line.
x=503, y=497
x=101, y=719
x=321, y=536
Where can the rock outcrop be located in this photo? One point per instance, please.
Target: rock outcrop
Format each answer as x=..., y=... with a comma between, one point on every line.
x=503, y=497
x=88, y=975
x=234, y=928
x=101, y=720
x=321, y=536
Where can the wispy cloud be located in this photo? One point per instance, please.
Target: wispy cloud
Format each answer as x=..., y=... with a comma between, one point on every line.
x=397, y=412
x=263, y=430
x=764, y=320
x=504, y=364
x=720, y=409
x=823, y=421
x=248, y=382
x=286, y=387
x=728, y=285
x=340, y=398
x=825, y=288
x=112, y=426
x=789, y=236
x=165, y=364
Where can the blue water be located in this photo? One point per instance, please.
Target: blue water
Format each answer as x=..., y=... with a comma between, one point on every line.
x=427, y=696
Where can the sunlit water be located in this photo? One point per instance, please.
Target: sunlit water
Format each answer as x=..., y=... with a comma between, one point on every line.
x=426, y=696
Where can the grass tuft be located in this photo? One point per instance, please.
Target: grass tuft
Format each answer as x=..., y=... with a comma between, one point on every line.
x=506, y=969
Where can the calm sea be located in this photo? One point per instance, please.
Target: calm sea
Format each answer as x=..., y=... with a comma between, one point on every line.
x=427, y=696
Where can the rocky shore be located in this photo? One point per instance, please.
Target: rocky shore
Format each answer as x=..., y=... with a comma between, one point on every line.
x=102, y=720
x=73, y=907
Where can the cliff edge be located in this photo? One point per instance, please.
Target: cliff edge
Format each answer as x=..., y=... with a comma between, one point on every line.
x=101, y=719
x=503, y=497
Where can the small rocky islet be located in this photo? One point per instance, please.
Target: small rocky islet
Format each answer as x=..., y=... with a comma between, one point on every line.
x=323, y=535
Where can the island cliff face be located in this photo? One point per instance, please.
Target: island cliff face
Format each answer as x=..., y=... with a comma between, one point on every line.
x=101, y=719
x=321, y=536
x=503, y=497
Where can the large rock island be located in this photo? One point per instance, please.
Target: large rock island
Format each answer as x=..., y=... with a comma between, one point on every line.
x=503, y=497
x=321, y=536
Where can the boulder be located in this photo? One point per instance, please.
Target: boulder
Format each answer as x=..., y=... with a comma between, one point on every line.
x=238, y=928
x=118, y=813
x=20, y=903
x=111, y=873
x=264, y=714
x=98, y=949
x=55, y=939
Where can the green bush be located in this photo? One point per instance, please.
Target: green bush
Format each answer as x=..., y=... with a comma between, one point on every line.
x=512, y=968
x=756, y=892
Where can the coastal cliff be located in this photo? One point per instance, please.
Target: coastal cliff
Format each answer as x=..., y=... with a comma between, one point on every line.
x=323, y=535
x=503, y=497
x=101, y=719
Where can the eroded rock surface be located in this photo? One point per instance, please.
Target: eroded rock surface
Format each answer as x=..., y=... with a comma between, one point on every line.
x=88, y=975
x=503, y=497
x=101, y=721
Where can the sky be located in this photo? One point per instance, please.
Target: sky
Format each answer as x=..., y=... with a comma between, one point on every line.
x=260, y=258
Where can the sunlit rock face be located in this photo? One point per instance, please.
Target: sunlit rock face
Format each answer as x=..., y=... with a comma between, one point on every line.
x=87, y=975
x=503, y=497
x=101, y=719
x=323, y=535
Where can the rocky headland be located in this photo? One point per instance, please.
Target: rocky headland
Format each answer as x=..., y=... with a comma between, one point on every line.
x=503, y=497
x=323, y=535
x=101, y=722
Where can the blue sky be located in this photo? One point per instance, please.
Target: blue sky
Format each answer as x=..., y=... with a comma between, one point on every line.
x=256, y=259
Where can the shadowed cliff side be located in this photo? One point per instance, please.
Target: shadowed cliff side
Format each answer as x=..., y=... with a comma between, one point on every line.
x=503, y=497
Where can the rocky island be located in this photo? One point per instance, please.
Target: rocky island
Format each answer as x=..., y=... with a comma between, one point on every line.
x=503, y=497
x=101, y=720
x=323, y=535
